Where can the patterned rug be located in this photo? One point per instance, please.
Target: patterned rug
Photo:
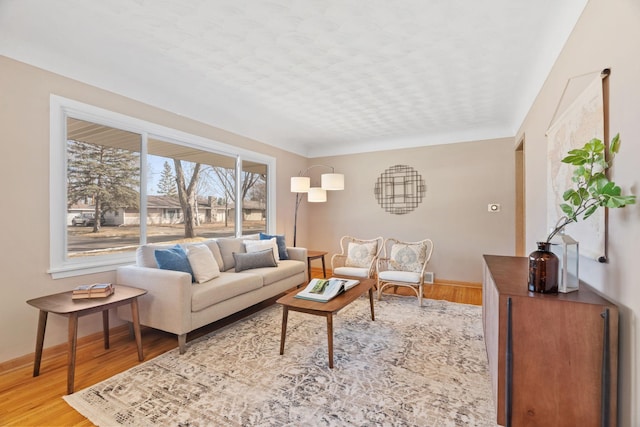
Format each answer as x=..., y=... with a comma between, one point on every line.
x=413, y=366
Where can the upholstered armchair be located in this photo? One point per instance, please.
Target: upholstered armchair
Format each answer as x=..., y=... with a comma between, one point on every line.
x=358, y=257
x=404, y=264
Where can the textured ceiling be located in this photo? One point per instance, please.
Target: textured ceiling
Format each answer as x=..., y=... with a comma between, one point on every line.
x=316, y=77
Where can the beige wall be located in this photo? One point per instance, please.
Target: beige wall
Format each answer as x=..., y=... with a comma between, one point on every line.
x=461, y=179
x=606, y=36
x=24, y=185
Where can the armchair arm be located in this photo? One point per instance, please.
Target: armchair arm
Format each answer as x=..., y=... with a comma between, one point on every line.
x=338, y=260
x=167, y=304
x=382, y=264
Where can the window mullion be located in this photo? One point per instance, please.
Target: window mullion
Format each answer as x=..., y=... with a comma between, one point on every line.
x=238, y=190
x=143, y=188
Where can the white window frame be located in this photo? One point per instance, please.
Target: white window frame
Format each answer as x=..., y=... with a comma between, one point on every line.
x=60, y=265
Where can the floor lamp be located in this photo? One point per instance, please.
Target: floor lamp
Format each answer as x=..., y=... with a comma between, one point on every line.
x=302, y=184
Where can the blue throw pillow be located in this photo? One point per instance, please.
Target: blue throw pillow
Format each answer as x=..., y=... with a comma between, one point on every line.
x=174, y=258
x=280, y=241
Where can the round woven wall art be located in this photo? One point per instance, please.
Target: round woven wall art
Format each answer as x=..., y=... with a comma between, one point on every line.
x=399, y=189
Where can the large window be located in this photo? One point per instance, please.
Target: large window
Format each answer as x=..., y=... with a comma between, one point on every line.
x=118, y=182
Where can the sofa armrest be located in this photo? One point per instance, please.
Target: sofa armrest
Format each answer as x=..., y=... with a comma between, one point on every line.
x=167, y=304
x=299, y=254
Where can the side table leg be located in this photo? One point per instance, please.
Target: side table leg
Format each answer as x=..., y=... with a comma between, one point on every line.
x=283, y=334
x=373, y=317
x=330, y=338
x=324, y=270
x=105, y=328
x=309, y=268
x=135, y=316
x=73, y=340
x=42, y=326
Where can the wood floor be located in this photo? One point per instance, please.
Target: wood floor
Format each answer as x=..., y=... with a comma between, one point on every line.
x=29, y=401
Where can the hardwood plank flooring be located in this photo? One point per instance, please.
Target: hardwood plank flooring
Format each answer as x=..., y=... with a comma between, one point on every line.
x=29, y=401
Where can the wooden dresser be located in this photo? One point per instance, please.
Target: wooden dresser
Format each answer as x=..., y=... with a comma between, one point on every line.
x=552, y=358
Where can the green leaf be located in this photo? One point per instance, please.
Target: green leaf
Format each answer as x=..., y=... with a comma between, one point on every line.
x=610, y=189
x=597, y=145
x=575, y=160
x=590, y=211
x=568, y=194
x=568, y=210
x=583, y=193
x=576, y=200
x=615, y=144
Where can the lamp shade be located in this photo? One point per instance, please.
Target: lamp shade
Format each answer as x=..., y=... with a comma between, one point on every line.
x=300, y=184
x=332, y=181
x=317, y=195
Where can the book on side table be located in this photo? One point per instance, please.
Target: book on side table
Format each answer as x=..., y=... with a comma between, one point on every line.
x=325, y=289
x=95, y=290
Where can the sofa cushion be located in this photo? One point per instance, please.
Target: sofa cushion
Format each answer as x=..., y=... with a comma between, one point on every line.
x=146, y=257
x=202, y=263
x=228, y=285
x=173, y=258
x=227, y=247
x=247, y=261
x=212, y=244
x=399, y=276
x=361, y=254
x=281, y=242
x=259, y=245
x=286, y=269
x=351, y=271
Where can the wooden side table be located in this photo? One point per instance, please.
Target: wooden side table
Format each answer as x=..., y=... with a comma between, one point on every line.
x=63, y=305
x=311, y=255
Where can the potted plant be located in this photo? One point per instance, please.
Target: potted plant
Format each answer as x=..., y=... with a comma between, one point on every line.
x=592, y=190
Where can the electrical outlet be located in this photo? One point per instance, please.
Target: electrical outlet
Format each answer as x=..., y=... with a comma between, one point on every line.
x=494, y=207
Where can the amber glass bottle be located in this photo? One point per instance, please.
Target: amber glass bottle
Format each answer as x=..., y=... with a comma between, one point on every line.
x=543, y=270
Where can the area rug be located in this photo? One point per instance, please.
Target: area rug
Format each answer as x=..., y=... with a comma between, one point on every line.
x=412, y=366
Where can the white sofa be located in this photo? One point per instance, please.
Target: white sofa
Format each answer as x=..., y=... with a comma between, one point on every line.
x=177, y=305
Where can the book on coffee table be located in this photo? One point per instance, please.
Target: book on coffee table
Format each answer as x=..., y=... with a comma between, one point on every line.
x=95, y=290
x=325, y=289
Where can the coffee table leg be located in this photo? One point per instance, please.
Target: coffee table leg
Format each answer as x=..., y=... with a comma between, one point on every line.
x=135, y=317
x=73, y=340
x=105, y=328
x=373, y=317
x=285, y=315
x=330, y=338
x=42, y=326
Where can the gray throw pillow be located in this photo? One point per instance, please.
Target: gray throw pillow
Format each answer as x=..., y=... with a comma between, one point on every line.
x=227, y=247
x=247, y=261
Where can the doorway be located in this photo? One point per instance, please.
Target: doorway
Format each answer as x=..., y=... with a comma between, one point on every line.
x=520, y=198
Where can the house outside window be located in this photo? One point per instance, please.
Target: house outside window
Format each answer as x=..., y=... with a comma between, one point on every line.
x=146, y=184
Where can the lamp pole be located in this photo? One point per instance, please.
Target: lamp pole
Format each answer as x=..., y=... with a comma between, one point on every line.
x=295, y=218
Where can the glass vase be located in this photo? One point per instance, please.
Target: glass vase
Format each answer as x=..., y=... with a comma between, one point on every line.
x=543, y=270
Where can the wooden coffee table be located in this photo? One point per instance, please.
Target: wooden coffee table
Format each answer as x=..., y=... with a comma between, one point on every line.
x=63, y=305
x=327, y=309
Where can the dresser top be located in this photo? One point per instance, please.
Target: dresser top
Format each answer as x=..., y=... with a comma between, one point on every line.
x=510, y=275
